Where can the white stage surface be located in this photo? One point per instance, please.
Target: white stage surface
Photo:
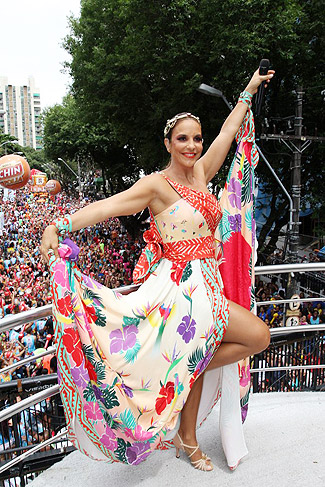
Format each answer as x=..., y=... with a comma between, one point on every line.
x=285, y=435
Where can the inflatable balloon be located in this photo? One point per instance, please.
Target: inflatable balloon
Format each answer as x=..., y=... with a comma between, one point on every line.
x=38, y=182
x=35, y=171
x=14, y=171
x=53, y=187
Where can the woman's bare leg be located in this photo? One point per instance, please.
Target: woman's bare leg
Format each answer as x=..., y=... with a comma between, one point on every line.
x=246, y=335
x=187, y=428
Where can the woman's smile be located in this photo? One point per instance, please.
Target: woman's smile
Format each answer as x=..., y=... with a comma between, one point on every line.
x=186, y=141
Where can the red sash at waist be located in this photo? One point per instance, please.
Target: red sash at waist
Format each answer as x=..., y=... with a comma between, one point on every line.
x=185, y=250
x=180, y=251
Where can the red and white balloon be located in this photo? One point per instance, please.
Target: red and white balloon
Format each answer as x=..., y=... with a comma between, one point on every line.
x=14, y=171
x=53, y=187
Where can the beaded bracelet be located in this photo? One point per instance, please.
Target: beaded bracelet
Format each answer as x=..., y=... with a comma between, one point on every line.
x=63, y=225
x=246, y=97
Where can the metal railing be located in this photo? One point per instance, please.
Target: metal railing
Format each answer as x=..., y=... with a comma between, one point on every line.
x=31, y=451
x=20, y=319
x=284, y=301
x=286, y=268
x=13, y=410
x=27, y=360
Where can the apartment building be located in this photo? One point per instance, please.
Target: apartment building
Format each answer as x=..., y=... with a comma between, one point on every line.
x=20, y=110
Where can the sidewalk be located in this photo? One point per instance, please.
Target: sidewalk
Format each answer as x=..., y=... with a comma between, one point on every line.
x=285, y=434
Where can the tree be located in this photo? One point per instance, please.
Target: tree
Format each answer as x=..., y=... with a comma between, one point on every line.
x=67, y=135
x=136, y=63
x=8, y=144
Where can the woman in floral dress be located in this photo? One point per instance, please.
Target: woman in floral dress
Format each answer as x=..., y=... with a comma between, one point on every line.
x=129, y=365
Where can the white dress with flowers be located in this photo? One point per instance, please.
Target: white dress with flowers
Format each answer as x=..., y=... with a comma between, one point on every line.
x=127, y=362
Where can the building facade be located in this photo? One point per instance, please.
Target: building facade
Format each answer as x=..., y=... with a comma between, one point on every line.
x=20, y=111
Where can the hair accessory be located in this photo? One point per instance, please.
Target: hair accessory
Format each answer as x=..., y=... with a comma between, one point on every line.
x=63, y=225
x=246, y=97
x=170, y=124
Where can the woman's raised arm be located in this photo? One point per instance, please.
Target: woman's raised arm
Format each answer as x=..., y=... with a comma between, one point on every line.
x=218, y=150
x=128, y=202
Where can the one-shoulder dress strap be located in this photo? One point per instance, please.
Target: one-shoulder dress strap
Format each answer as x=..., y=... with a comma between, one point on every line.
x=179, y=188
x=205, y=203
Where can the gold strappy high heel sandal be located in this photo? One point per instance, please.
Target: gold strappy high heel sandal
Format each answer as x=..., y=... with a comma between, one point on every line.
x=202, y=463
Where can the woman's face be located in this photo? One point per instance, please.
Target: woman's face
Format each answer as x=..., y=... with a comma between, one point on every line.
x=185, y=146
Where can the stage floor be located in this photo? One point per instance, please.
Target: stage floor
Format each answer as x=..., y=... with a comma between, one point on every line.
x=285, y=435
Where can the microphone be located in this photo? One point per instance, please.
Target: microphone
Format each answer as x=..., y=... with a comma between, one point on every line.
x=263, y=69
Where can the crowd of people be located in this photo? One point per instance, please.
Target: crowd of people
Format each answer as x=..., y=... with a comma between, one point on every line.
x=305, y=350
x=310, y=312
x=107, y=253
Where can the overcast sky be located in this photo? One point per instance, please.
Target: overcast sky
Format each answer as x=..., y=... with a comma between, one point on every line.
x=31, y=33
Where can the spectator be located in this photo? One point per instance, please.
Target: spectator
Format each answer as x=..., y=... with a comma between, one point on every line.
x=314, y=320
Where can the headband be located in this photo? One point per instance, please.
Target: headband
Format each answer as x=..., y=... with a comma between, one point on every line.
x=170, y=124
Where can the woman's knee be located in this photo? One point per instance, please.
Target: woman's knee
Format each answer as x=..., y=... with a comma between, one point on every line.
x=262, y=336
x=247, y=328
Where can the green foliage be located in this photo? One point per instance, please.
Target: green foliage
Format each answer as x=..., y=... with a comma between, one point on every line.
x=108, y=418
x=121, y=449
x=89, y=394
x=136, y=63
x=110, y=397
x=92, y=295
x=128, y=419
x=132, y=354
x=36, y=158
x=129, y=320
x=100, y=317
x=225, y=226
x=100, y=372
x=89, y=353
x=187, y=272
x=196, y=356
x=69, y=135
x=153, y=438
x=246, y=183
x=248, y=218
x=7, y=143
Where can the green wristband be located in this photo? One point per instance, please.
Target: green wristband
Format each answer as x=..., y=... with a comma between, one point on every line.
x=246, y=97
x=63, y=225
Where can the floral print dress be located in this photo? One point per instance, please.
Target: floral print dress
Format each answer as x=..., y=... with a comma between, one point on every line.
x=127, y=363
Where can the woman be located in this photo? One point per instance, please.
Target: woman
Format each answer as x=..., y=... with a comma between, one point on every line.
x=151, y=348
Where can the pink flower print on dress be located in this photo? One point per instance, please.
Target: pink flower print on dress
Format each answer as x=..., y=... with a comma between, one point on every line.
x=245, y=376
x=92, y=410
x=108, y=439
x=61, y=276
x=138, y=434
